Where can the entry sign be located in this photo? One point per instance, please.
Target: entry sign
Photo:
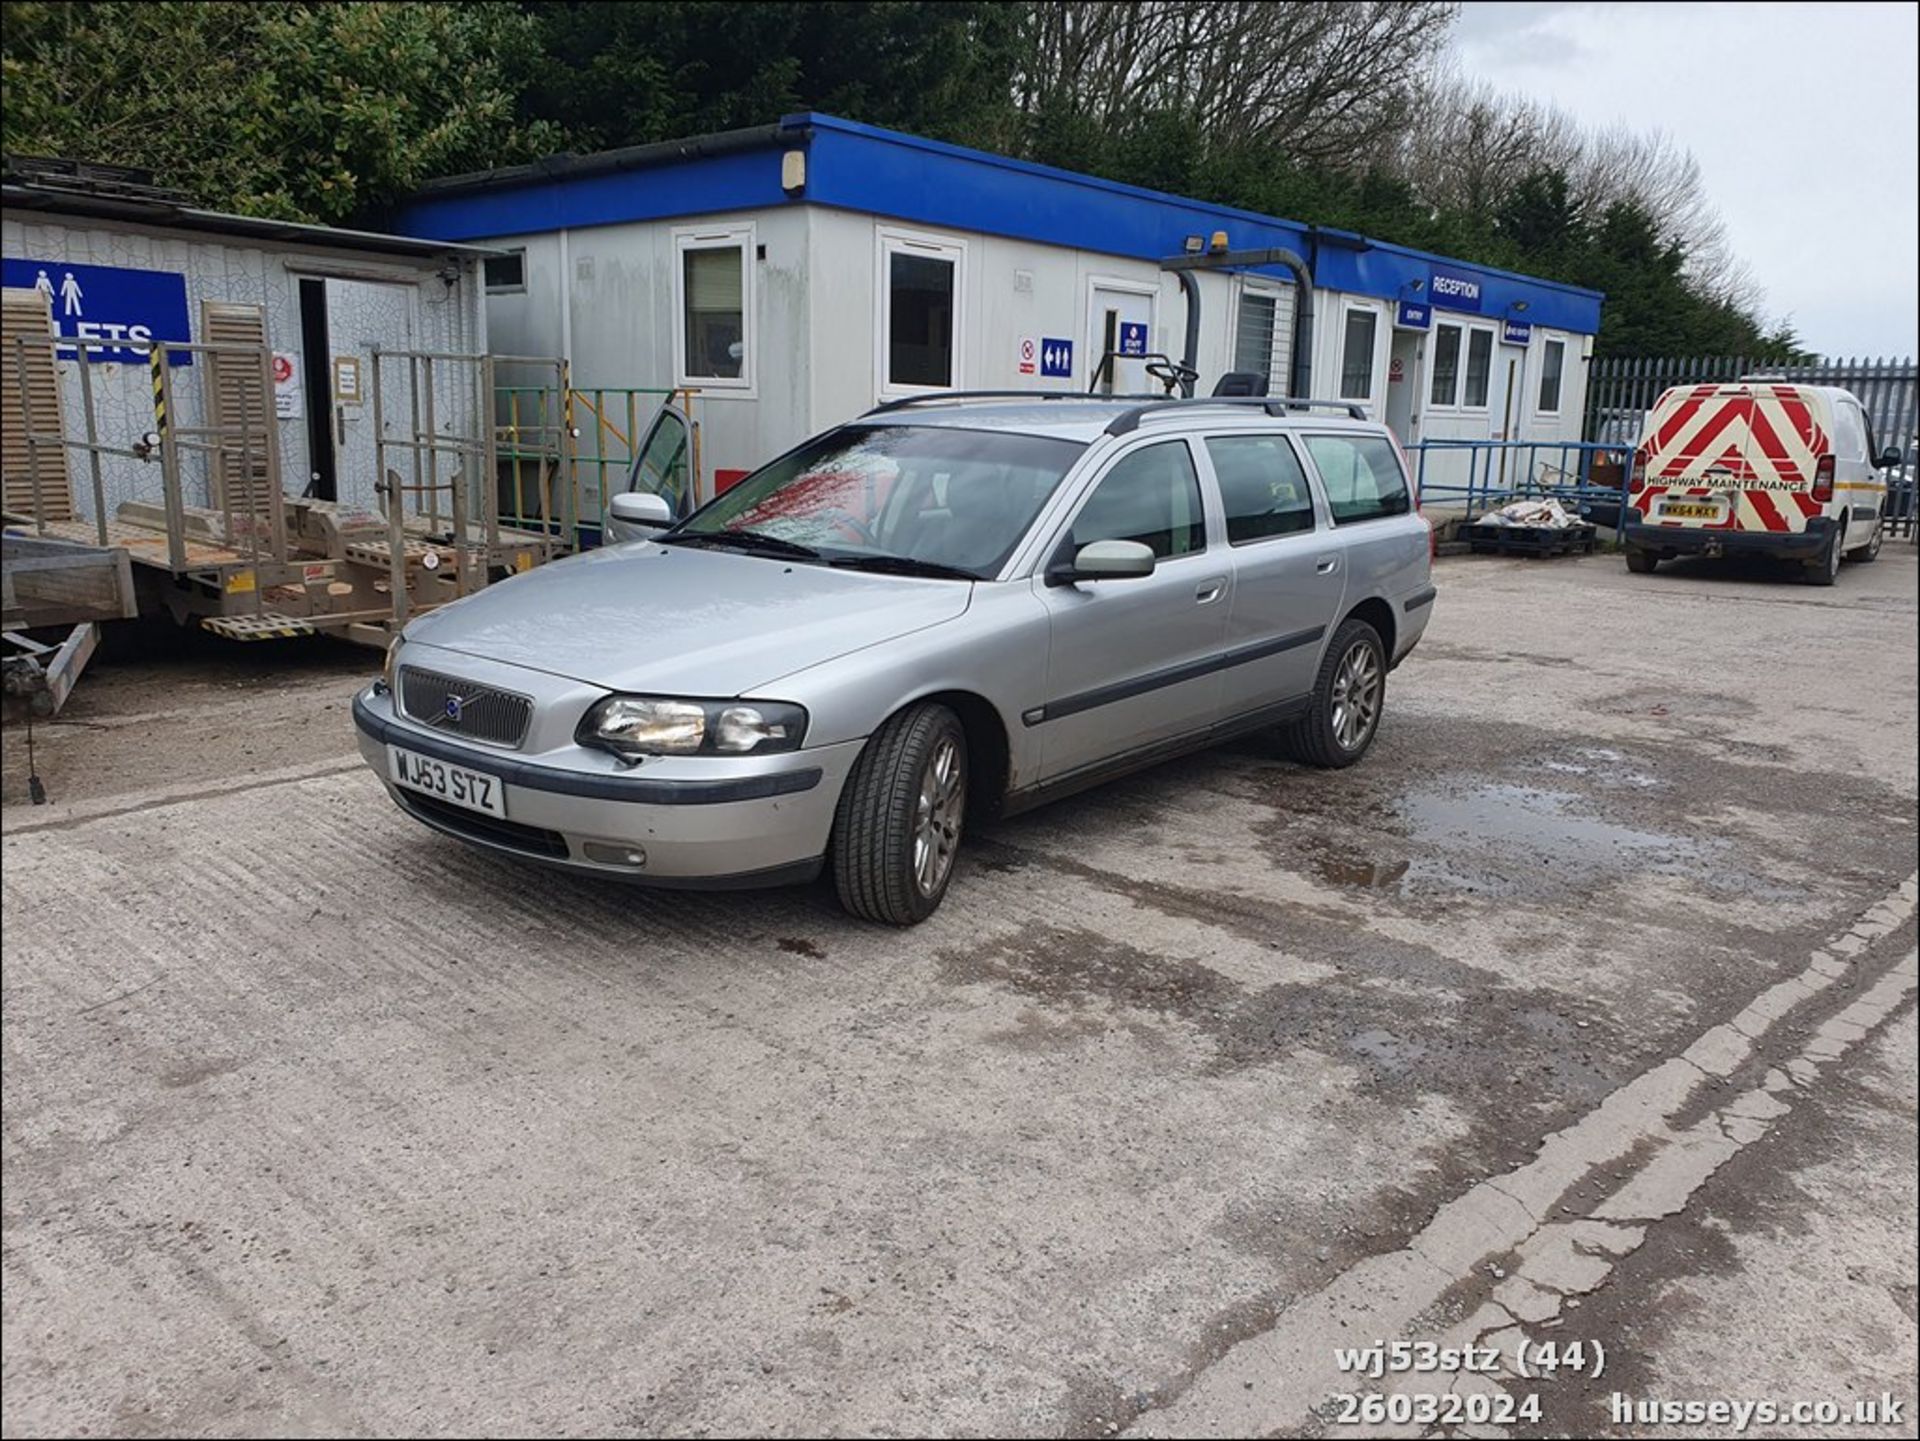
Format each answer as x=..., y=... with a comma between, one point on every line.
x=110, y=304
x=1517, y=332
x=1413, y=315
x=1133, y=337
x=1056, y=357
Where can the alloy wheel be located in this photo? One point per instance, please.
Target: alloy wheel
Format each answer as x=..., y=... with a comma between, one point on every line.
x=1356, y=696
x=941, y=807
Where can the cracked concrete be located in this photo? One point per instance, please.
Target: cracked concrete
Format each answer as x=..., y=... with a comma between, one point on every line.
x=320, y=1123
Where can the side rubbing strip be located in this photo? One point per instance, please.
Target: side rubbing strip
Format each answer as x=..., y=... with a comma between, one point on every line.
x=1088, y=700
x=1420, y=598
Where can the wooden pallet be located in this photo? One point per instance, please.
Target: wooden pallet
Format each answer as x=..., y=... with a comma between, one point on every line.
x=1533, y=540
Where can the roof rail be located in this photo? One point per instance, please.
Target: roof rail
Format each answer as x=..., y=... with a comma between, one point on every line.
x=945, y=397
x=1275, y=405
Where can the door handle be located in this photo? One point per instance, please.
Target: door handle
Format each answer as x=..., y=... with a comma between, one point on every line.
x=1209, y=591
x=1326, y=565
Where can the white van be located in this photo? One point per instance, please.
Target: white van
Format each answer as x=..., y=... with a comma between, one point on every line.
x=1760, y=466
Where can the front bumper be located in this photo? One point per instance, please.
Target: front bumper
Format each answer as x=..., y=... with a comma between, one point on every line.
x=694, y=822
x=1666, y=541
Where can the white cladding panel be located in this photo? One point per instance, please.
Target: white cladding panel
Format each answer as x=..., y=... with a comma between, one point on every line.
x=422, y=309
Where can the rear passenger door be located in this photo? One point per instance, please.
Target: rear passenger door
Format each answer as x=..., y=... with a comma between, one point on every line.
x=1381, y=540
x=1288, y=577
x=1133, y=662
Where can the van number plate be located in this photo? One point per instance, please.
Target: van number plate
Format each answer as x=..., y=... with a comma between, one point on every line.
x=456, y=785
x=1689, y=510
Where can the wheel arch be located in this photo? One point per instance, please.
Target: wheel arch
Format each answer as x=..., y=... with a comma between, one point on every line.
x=1377, y=613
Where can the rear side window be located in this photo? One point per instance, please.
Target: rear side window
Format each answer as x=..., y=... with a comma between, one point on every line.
x=1152, y=496
x=1262, y=486
x=1362, y=476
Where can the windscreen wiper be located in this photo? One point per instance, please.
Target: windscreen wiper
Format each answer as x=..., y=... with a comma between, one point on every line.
x=901, y=565
x=752, y=541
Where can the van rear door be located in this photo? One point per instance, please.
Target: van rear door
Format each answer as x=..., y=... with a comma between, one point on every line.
x=1695, y=448
x=1789, y=431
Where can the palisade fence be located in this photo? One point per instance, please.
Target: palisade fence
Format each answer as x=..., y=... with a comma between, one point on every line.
x=1621, y=389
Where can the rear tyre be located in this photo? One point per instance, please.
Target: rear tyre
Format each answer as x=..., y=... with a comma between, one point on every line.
x=1826, y=567
x=1871, y=550
x=1349, y=695
x=898, y=824
x=1641, y=562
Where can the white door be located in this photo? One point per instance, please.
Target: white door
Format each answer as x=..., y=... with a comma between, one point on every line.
x=361, y=315
x=1403, y=386
x=1120, y=319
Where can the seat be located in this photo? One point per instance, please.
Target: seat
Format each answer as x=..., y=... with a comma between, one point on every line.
x=979, y=517
x=1241, y=382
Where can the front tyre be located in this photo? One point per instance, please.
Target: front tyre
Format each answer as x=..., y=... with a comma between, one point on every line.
x=1348, y=697
x=1871, y=550
x=898, y=825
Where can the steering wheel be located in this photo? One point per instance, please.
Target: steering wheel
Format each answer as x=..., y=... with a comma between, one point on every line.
x=1172, y=374
x=853, y=523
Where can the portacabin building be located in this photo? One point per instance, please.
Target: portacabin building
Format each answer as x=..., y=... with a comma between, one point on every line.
x=797, y=274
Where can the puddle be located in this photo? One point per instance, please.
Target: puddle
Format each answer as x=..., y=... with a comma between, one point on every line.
x=1364, y=875
x=1388, y=1052
x=1551, y=828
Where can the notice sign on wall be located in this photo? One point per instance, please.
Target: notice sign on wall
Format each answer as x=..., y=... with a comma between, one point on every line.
x=115, y=308
x=286, y=385
x=1056, y=357
x=1029, y=356
x=1133, y=337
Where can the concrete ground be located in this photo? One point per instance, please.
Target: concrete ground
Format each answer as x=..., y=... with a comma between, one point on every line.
x=1582, y=1011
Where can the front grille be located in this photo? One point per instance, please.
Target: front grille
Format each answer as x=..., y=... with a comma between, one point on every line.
x=531, y=839
x=462, y=708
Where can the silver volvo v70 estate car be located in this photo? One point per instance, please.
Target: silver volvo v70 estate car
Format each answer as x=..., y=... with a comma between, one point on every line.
x=952, y=607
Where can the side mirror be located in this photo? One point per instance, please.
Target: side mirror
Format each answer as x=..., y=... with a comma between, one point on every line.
x=1889, y=458
x=641, y=507
x=1103, y=560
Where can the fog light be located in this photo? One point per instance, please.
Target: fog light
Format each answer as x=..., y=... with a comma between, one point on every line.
x=631, y=858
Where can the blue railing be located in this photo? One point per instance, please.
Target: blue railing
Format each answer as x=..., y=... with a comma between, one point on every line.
x=1476, y=476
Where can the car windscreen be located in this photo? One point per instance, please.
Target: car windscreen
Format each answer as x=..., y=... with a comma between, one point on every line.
x=939, y=496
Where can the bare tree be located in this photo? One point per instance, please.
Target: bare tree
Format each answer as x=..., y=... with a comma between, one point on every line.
x=1321, y=82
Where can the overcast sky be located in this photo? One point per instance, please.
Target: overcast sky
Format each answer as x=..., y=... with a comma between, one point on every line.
x=1804, y=120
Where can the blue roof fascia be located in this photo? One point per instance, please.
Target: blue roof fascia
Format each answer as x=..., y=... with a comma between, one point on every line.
x=866, y=169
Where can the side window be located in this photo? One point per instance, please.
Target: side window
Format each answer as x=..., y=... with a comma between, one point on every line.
x=1852, y=429
x=661, y=466
x=1152, y=496
x=1262, y=486
x=1356, y=355
x=919, y=311
x=1479, y=368
x=1362, y=476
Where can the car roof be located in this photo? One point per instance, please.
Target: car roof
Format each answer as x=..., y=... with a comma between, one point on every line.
x=1087, y=419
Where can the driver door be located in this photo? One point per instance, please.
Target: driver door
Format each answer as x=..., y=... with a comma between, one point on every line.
x=1132, y=662
x=662, y=466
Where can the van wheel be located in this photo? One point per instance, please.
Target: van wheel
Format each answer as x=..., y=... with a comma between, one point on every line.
x=1871, y=550
x=1348, y=697
x=899, y=820
x=1641, y=562
x=1826, y=568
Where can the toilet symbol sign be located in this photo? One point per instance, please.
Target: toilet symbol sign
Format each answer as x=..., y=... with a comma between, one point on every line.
x=1056, y=357
x=115, y=309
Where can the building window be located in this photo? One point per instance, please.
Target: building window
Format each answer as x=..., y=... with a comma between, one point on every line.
x=1553, y=360
x=1262, y=486
x=1263, y=336
x=505, y=273
x=1361, y=475
x=1479, y=368
x=1445, y=387
x=713, y=292
x=920, y=312
x=1356, y=355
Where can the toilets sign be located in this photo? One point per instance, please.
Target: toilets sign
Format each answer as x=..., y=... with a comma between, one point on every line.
x=114, y=309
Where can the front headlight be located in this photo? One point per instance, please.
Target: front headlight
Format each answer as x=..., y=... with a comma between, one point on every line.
x=634, y=726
